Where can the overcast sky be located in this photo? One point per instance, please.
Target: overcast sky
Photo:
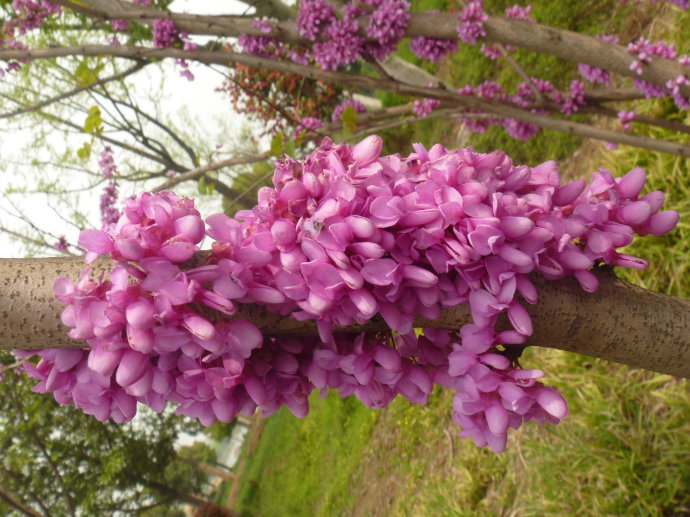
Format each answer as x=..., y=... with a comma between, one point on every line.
x=198, y=98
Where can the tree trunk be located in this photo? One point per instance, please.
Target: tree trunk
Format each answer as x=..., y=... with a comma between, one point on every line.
x=211, y=470
x=620, y=322
x=173, y=493
x=11, y=499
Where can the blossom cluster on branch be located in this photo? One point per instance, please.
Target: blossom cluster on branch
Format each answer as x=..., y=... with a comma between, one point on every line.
x=343, y=237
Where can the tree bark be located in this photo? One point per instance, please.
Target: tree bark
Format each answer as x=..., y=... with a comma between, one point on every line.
x=620, y=322
x=211, y=470
x=561, y=43
x=173, y=493
x=11, y=499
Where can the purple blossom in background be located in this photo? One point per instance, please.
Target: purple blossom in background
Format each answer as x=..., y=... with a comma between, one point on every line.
x=387, y=24
x=30, y=15
x=594, y=74
x=61, y=244
x=349, y=103
x=342, y=47
x=308, y=124
x=165, y=34
x=576, y=99
x=119, y=25
x=643, y=50
x=425, y=106
x=674, y=87
x=491, y=51
x=313, y=15
x=625, y=117
x=108, y=201
x=472, y=18
x=431, y=48
x=518, y=12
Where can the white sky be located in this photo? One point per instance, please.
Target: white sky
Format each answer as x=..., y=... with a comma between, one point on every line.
x=208, y=109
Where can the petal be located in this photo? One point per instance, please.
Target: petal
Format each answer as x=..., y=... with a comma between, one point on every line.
x=630, y=185
x=520, y=319
x=133, y=366
x=663, y=222
x=552, y=402
x=191, y=227
x=95, y=241
x=367, y=150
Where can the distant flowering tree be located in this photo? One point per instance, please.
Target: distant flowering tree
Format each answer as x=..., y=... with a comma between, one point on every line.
x=484, y=255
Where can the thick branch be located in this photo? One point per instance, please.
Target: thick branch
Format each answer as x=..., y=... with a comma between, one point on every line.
x=561, y=43
x=620, y=322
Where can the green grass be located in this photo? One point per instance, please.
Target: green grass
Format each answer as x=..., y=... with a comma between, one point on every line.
x=304, y=467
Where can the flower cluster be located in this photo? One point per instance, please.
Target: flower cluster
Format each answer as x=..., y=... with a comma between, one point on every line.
x=594, y=74
x=308, y=124
x=386, y=26
x=349, y=103
x=516, y=12
x=31, y=14
x=28, y=15
x=432, y=49
x=166, y=35
x=643, y=51
x=425, y=106
x=625, y=118
x=472, y=19
x=109, y=214
x=523, y=98
x=343, y=236
x=575, y=99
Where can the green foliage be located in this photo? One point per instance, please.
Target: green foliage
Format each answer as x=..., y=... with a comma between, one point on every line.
x=349, y=118
x=59, y=457
x=84, y=75
x=93, y=124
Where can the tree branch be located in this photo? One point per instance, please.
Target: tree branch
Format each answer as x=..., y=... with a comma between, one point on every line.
x=200, y=171
x=75, y=91
x=620, y=322
x=14, y=501
x=470, y=102
x=561, y=43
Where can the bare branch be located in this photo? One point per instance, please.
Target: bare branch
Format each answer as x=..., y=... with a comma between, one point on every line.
x=75, y=91
x=503, y=110
x=201, y=171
